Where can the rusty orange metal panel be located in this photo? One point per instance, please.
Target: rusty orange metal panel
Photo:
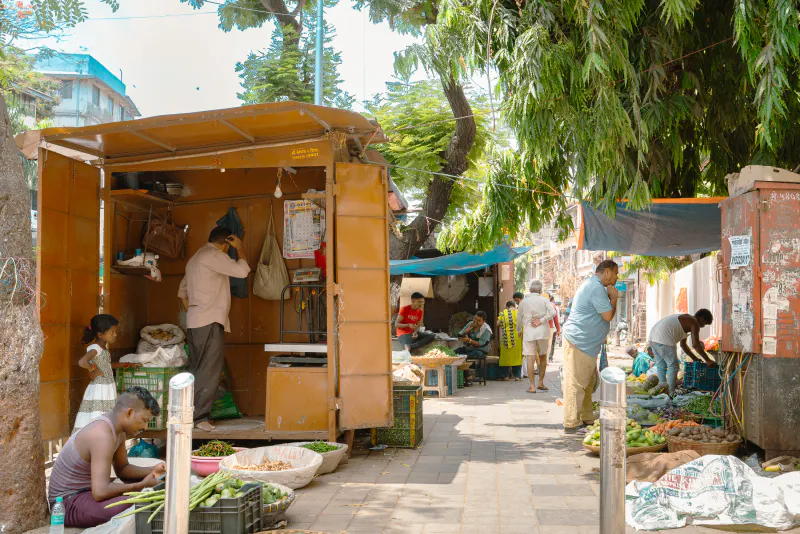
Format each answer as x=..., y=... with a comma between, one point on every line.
x=780, y=270
x=297, y=399
x=741, y=313
x=128, y=299
x=69, y=281
x=53, y=223
x=362, y=273
x=53, y=366
x=54, y=409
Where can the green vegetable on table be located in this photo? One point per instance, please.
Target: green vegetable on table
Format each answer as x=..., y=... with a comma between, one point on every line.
x=215, y=449
x=700, y=405
x=320, y=447
x=635, y=436
x=271, y=494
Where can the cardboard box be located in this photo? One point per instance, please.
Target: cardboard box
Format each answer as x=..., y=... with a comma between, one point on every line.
x=408, y=286
x=741, y=182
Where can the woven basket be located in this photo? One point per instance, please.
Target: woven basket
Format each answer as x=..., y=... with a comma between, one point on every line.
x=722, y=449
x=629, y=451
x=433, y=362
x=697, y=418
x=465, y=366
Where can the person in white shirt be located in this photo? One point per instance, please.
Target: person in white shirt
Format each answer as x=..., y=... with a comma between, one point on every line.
x=532, y=322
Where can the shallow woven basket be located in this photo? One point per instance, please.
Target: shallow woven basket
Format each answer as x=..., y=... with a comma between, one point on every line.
x=697, y=418
x=629, y=451
x=466, y=365
x=433, y=362
x=722, y=449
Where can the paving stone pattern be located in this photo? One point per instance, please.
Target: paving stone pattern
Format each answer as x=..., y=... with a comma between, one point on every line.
x=494, y=460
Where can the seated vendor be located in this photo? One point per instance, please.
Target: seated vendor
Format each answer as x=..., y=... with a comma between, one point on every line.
x=82, y=473
x=642, y=361
x=477, y=337
x=409, y=323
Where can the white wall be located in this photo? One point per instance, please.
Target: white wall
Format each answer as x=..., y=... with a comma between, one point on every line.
x=703, y=291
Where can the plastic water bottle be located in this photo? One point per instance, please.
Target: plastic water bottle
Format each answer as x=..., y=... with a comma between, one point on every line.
x=57, y=517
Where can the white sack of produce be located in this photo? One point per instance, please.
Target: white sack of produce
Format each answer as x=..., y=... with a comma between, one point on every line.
x=162, y=335
x=407, y=374
x=714, y=490
x=401, y=356
x=294, y=467
x=173, y=356
x=647, y=401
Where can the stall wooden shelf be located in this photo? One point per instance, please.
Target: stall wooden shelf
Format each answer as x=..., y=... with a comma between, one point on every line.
x=231, y=158
x=141, y=201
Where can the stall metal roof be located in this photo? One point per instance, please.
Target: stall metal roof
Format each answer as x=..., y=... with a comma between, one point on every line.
x=669, y=227
x=257, y=126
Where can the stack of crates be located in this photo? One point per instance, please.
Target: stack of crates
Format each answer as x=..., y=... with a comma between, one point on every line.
x=407, y=429
x=156, y=381
x=460, y=381
x=701, y=376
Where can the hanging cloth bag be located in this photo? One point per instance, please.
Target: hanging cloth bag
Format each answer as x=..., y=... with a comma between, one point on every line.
x=271, y=273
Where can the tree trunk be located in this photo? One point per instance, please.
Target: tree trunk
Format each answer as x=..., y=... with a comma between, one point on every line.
x=440, y=189
x=290, y=24
x=22, y=500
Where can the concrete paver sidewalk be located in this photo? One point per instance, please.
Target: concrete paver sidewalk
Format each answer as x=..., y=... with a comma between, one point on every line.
x=494, y=460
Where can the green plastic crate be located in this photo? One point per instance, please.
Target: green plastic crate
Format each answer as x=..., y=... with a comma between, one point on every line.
x=460, y=383
x=156, y=381
x=407, y=429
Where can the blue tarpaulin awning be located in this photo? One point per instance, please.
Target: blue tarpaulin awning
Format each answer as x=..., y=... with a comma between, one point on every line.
x=459, y=263
x=669, y=227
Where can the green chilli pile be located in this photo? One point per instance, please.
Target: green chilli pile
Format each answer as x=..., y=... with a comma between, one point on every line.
x=320, y=447
x=215, y=449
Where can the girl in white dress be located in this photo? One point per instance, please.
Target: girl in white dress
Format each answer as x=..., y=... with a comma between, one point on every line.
x=101, y=394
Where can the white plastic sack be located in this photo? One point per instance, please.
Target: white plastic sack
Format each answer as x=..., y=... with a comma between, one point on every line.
x=305, y=464
x=714, y=490
x=408, y=374
x=177, y=336
x=646, y=401
x=173, y=356
x=401, y=356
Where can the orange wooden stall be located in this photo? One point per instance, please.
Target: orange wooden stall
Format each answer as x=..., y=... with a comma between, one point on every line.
x=224, y=159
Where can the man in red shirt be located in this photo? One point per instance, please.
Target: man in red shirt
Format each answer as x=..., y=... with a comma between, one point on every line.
x=409, y=323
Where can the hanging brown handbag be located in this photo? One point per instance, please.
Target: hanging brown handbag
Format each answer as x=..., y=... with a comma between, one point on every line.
x=164, y=238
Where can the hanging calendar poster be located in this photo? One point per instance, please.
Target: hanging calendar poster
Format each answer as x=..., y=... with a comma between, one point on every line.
x=303, y=228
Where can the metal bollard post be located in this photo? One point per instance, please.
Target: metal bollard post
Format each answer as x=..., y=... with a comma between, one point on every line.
x=613, y=421
x=180, y=421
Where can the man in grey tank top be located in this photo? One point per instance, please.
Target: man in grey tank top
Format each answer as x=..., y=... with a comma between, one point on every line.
x=82, y=472
x=667, y=333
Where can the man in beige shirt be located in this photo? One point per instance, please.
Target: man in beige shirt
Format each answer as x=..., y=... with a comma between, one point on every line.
x=206, y=295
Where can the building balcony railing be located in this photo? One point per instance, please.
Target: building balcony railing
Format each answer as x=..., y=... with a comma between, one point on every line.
x=99, y=113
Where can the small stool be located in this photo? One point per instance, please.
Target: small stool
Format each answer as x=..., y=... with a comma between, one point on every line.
x=480, y=370
x=441, y=380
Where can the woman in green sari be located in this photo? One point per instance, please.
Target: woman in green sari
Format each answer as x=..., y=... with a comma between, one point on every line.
x=510, y=342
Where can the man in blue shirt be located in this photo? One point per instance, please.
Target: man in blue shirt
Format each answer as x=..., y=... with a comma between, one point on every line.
x=593, y=308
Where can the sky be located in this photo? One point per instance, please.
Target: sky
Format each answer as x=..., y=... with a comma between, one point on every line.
x=177, y=64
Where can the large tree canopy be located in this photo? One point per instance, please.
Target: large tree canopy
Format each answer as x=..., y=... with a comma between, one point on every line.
x=628, y=99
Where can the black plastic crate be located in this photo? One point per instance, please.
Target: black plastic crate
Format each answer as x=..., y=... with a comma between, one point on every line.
x=699, y=375
x=229, y=516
